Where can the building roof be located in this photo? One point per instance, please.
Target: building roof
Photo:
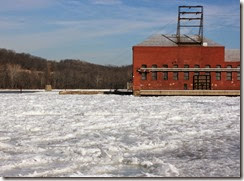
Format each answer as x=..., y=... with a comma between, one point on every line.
x=171, y=40
x=232, y=55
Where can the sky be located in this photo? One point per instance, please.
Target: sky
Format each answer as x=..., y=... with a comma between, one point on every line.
x=104, y=31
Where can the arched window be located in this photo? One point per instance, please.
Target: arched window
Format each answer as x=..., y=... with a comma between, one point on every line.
x=238, y=74
x=196, y=66
x=144, y=74
x=186, y=74
x=218, y=74
x=154, y=74
x=175, y=74
x=229, y=74
x=165, y=74
x=207, y=66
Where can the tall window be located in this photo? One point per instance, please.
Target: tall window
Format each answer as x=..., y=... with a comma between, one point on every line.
x=229, y=74
x=175, y=74
x=238, y=74
x=207, y=66
x=186, y=74
x=144, y=74
x=218, y=74
x=154, y=74
x=196, y=66
x=165, y=74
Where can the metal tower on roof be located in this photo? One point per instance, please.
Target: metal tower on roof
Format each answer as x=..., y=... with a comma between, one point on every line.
x=190, y=17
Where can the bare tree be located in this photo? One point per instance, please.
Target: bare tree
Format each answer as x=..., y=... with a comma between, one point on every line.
x=13, y=70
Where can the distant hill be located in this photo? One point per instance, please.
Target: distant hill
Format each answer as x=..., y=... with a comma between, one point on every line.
x=21, y=70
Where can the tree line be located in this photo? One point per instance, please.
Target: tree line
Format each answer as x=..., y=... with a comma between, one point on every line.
x=21, y=70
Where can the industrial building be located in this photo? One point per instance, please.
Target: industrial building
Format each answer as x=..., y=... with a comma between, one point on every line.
x=166, y=63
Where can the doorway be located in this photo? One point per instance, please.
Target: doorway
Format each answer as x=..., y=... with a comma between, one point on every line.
x=202, y=82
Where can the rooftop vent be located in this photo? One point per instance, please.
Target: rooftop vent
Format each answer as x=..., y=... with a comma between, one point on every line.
x=205, y=44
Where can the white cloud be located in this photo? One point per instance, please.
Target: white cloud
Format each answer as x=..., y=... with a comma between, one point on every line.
x=73, y=30
x=107, y=27
x=129, y=21
x=83, y=22
x=222, y=17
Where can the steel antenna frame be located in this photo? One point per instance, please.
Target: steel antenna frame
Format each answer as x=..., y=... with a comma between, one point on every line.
x=198, y=19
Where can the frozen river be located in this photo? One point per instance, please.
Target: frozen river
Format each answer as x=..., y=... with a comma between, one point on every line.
x=49, y=135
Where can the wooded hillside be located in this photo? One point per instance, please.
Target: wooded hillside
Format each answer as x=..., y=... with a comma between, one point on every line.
x=20, y=70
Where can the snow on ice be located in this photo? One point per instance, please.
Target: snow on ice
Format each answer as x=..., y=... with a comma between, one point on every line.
x=49, y=135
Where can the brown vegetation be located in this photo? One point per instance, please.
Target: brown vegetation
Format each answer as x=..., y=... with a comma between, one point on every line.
x=20, y=70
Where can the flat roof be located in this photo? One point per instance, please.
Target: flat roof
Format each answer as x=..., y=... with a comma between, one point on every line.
x=232, y=55
x=171, y=40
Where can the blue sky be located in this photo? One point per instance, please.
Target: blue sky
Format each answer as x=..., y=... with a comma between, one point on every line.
x=104, y=31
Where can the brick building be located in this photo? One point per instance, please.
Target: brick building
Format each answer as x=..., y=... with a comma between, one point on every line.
x=160, y=63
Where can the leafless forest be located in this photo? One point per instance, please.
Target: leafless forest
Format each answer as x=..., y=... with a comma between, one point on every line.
x=21, y=70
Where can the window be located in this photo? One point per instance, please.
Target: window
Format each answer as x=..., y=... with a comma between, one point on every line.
x=229, y=74
x=186, y=74
x=185, y=86
x=207, y=66
x=175, y=74
x=218, y=74
x=196, y=66
x=144, y=74
x=165, y=74
x=238, y=74
x=154, y=74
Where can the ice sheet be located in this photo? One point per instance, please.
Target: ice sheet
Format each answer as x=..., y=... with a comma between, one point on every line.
x=49, y=135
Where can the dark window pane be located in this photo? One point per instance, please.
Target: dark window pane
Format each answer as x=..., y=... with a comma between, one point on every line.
x=165, y=74
x=154, y=74
x=207, y=66
x=238, y=74
x=196, y=66
x=218, y=74
x=229, y=74
x=186, y=74
x=143, y=74
x=175, y=74
x=185, y=87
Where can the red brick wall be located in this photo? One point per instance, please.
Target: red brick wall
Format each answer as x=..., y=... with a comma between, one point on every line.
x=190, y=55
